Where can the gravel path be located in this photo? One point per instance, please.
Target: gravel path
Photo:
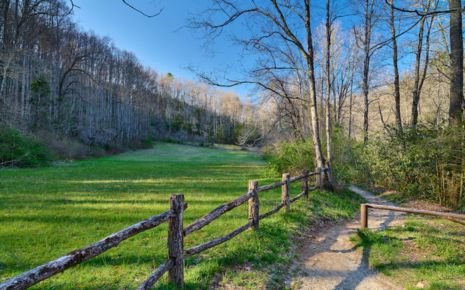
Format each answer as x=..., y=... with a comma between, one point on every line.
x=330, y=261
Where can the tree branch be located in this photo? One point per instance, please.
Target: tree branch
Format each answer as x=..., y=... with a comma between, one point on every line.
x=142, y=12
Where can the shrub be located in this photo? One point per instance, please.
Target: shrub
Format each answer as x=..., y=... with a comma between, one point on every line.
x=293, y=156
x=68, y=148
x=17, y=149
x=426, y=162
x=289, y=156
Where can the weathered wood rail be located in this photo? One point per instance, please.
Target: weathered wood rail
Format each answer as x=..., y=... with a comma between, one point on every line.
x=364, y=211
x=174, y=265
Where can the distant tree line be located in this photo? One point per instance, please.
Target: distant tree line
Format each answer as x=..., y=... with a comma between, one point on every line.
x=56, y=78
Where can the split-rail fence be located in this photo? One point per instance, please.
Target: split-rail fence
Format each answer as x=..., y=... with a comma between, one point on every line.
x=174, y=265
x=364, y=210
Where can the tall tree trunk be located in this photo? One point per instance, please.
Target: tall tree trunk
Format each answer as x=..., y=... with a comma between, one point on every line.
x=366, y=67
x=319, y=160
x=396, y=70
x=456, y=64
x=351, y=102
x=329, y=153
x=416, y=91
x=4, y=8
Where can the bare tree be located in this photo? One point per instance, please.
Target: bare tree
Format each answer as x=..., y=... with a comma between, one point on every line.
x=329, y=153
x=420, y=75
x=58, y=80
x=151, y=15
x=369, y=12
x=454, y=10
x=276, y=38
x=456, y=63
x=396, y=69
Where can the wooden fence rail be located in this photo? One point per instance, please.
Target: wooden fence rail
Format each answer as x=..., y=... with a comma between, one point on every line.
x=49, y=269
x=364, y=210
x=176, y=232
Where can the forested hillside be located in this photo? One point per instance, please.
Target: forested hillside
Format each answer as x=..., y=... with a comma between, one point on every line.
x=58, y=81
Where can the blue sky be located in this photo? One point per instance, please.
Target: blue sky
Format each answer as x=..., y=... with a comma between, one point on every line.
x=165, y=44
x=161, y=42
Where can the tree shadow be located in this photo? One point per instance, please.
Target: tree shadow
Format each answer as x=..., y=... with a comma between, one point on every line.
x=363, y=270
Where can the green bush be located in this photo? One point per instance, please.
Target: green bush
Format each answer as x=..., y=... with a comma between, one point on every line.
x=346, y=158
x=19, y=150
x=293, y=156
x=426, y=163
x=289, y=156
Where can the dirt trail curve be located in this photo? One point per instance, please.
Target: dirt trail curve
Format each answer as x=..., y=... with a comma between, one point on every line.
x=330, y=261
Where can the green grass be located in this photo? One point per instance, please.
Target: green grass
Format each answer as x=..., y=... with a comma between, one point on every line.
x=48, y=212
x=421, y=254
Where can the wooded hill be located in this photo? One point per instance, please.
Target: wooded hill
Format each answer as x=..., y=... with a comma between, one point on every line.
x=56, y=78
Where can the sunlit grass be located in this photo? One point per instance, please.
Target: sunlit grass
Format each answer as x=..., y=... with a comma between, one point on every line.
x=48, y=212
x=424, y=253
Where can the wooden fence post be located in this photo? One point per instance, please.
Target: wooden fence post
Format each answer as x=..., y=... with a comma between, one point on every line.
x=363, y=216
x=175, y=241
x=304, y=185
x=285, y=190
x=254, y=205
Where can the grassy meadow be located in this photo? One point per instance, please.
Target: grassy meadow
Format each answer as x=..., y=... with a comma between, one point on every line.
x=50, y=211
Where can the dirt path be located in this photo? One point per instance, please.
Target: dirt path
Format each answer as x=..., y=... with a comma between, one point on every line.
x=330, y=261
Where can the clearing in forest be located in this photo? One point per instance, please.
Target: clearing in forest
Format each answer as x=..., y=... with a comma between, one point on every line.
x=48, y=212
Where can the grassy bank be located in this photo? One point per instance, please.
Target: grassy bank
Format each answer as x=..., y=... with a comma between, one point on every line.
x=423, y=253
x=47, y=212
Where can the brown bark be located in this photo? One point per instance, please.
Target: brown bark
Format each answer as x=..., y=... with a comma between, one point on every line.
x=215, y=242
x=417, y=211
x=214, y=214
x=367, y=50
x=176, y=241
x=329, y=152
x=351, y=103
x=309, y=56
x=396, y=70
x=156, y=275
x=254, y=206
x=285, y=191
x=297, y=197
x=369, y=9
x=270, y=186
x=272, y=211
x=456, y=64
x=363, y=216
x=416, y=89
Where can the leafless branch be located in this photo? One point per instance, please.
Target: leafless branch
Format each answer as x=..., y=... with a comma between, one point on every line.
x=142, y=12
